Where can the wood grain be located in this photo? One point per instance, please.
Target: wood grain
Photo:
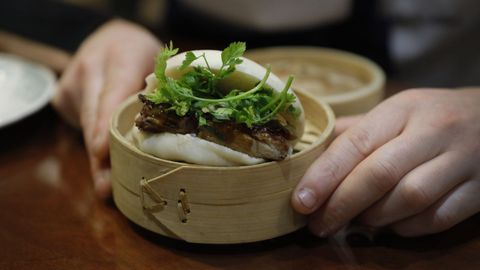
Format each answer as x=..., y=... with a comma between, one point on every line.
x=51, y=219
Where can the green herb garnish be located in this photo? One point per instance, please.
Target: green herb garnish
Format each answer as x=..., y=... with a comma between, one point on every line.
x=196, y=92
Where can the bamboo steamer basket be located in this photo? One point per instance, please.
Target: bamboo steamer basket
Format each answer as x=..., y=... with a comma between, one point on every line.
x=349, y=83
x=215, y=205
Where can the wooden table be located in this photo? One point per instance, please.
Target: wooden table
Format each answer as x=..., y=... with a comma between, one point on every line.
x=51, y=219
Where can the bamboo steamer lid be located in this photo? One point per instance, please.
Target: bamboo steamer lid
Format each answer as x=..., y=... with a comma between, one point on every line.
x=349, y=83
x=215, y=205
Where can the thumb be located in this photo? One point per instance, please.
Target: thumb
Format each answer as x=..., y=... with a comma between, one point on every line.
x=345, y=153
x=121, y=83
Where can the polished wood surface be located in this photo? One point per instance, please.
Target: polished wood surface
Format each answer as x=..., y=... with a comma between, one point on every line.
x=51, y=219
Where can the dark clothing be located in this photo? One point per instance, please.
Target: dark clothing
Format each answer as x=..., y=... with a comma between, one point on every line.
x=65, y=26
x=364, y=32
x=52, y=22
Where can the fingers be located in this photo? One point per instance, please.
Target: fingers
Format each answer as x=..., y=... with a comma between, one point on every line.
x=398, y=162
x=418, y=190
x=122, y=80
x=371, y=180
x=65, y=95
x=343, y=123
x=92, y=85
x=345, y=153
x=457, y=205
x=110, y=65
x=92, y=81
x=102, y=181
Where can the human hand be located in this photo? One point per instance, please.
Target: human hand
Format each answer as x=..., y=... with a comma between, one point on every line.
x=412, y=164
x=109, y=66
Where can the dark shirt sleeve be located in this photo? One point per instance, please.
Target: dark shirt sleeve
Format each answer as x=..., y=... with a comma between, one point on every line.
x=51, y=22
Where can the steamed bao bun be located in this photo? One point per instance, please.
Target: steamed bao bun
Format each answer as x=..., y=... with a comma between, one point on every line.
x=191, y=149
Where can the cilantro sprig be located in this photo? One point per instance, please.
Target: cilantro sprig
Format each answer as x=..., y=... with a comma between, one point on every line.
x=196, y=92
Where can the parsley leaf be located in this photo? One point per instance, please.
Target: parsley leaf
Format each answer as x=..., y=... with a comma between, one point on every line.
x=161, y=61
x=231, y=57
x=189, y=58
x=196, y=92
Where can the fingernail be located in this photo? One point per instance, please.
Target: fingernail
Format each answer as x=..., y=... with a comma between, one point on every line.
x=102, y=182
x=97, y=141
x=97, y=144
x=99, y=179
x=307, y=197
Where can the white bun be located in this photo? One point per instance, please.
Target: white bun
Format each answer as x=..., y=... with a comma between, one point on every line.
x=195, y=150
x=185, y=147
x=238, y=80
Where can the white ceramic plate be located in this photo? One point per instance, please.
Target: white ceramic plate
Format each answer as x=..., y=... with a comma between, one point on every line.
x=25, y=88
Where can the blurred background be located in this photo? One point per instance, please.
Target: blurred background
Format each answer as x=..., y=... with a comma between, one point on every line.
x=421, y=42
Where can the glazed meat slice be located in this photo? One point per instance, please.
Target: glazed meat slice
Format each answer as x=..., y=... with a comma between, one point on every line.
x=259, y=142
x=269, y=141
x=156, y=118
